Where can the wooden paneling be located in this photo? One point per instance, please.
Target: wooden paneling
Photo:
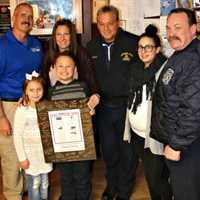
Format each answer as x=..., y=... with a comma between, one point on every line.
x=87, y=21
x=4, y=2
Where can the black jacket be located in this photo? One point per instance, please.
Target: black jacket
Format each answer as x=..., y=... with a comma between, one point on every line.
x=140, y=76
x=176, y=101
x=113, y=77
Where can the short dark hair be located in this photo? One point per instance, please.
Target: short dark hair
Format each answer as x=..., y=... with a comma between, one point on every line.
x=189, y=12
x=64, y=53
x=24, y=4
x=109, y=9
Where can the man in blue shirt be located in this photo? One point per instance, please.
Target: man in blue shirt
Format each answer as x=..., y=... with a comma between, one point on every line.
x=20, y=53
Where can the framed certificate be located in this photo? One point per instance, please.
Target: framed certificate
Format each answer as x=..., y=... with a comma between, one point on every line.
x=66, y=130
x=47, y=12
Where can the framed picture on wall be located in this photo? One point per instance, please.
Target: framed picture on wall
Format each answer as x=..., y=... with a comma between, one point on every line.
x=4, y=18
x=184, y=3
x=96, y=5
x=197, y=13
x=46, y=13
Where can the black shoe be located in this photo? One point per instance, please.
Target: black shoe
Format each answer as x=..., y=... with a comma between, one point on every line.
x=107, y=196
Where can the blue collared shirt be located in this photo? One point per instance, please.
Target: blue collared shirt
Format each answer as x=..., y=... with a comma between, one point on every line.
x=17, y=59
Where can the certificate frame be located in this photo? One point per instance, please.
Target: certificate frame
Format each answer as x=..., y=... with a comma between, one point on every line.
x=50, y=16
x=43, y=108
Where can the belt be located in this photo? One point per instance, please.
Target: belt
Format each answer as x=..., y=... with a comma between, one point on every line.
x=9, y=99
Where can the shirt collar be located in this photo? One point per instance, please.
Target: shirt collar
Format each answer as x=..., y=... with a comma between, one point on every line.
x=11, y=37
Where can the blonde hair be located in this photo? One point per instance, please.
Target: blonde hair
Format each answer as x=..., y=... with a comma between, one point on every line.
x=39, y=79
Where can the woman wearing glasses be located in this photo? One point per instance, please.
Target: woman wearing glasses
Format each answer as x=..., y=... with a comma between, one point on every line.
x=144, y=74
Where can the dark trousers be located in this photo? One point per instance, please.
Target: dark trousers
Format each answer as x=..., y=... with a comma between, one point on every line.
x=75, y=180
x=185, y=174
x=118, y=155
x=155, y=169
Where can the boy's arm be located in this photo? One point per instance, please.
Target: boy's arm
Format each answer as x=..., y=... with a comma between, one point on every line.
x=93, y=102
x=18, y=132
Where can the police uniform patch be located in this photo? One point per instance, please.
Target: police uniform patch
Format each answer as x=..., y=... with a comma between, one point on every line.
x=94, y=57
x=167, y=76
x=126, y=56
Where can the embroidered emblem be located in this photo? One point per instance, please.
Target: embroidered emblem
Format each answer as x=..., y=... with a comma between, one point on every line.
x=126, y=56
x=94, y=57
x=167, y=76
x=36, y=49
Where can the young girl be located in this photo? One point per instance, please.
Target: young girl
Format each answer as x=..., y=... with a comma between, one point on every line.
x=74, y=176
x=27, y=139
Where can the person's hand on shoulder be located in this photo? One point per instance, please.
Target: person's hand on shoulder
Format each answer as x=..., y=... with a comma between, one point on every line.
x=52, y=76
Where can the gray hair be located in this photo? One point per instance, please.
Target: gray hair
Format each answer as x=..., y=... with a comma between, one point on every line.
x=109, y=9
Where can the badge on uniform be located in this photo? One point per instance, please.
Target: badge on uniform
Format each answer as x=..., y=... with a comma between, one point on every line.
x=126, y=56
x=167, y=76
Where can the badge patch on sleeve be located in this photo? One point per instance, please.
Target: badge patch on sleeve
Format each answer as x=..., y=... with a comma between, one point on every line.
x=167, y=76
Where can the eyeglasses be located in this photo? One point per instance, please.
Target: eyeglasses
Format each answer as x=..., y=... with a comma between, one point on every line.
x=146, y=48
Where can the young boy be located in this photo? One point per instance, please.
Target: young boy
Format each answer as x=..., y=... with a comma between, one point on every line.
x=74, y=176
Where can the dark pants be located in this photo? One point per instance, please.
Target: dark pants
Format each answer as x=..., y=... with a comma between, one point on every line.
x=185, y=174
x=155, y=169
x=118, y=155
x=75, y=180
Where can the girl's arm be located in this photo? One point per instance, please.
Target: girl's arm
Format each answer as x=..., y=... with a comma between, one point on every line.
x=18, y=132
